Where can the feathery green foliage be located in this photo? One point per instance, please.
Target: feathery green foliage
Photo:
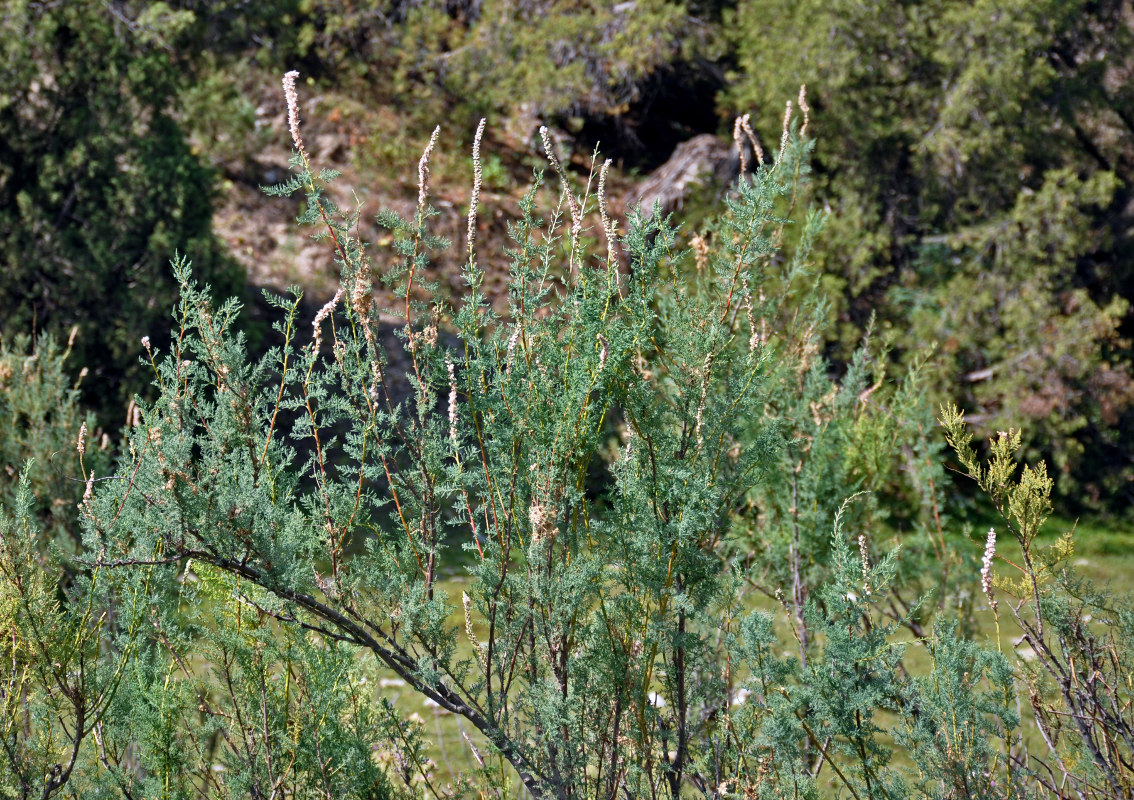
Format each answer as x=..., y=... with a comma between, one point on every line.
x=621, y=463
x=43, y=423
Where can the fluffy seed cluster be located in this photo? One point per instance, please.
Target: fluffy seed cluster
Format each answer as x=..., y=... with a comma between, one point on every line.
x=542, y=519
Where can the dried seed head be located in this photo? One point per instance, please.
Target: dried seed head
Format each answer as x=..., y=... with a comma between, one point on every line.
x=376, y=379
x=466, y=604
x=700, y=253
x=81, y=445
x=786, y=135
x=515, y=337
x=361, y=293
x=542, y=519
x=87, y=492
x=742, y=127
x=986, y=567
x=739, y=146
x=864, y=554
x=806, y=109
x=324, y=312
x=572, y=203
x=750, y=134
x=753, y=334
x=452, y=402
x=292, y=99
x=705, y=375
x=608, y=226
x=423, y=168
x=477, y=176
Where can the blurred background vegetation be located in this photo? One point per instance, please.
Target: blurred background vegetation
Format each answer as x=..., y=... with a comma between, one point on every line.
x=976, y=158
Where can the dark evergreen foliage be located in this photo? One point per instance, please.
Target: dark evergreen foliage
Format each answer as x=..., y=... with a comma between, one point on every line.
x=98, y=187
x=978, y=158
